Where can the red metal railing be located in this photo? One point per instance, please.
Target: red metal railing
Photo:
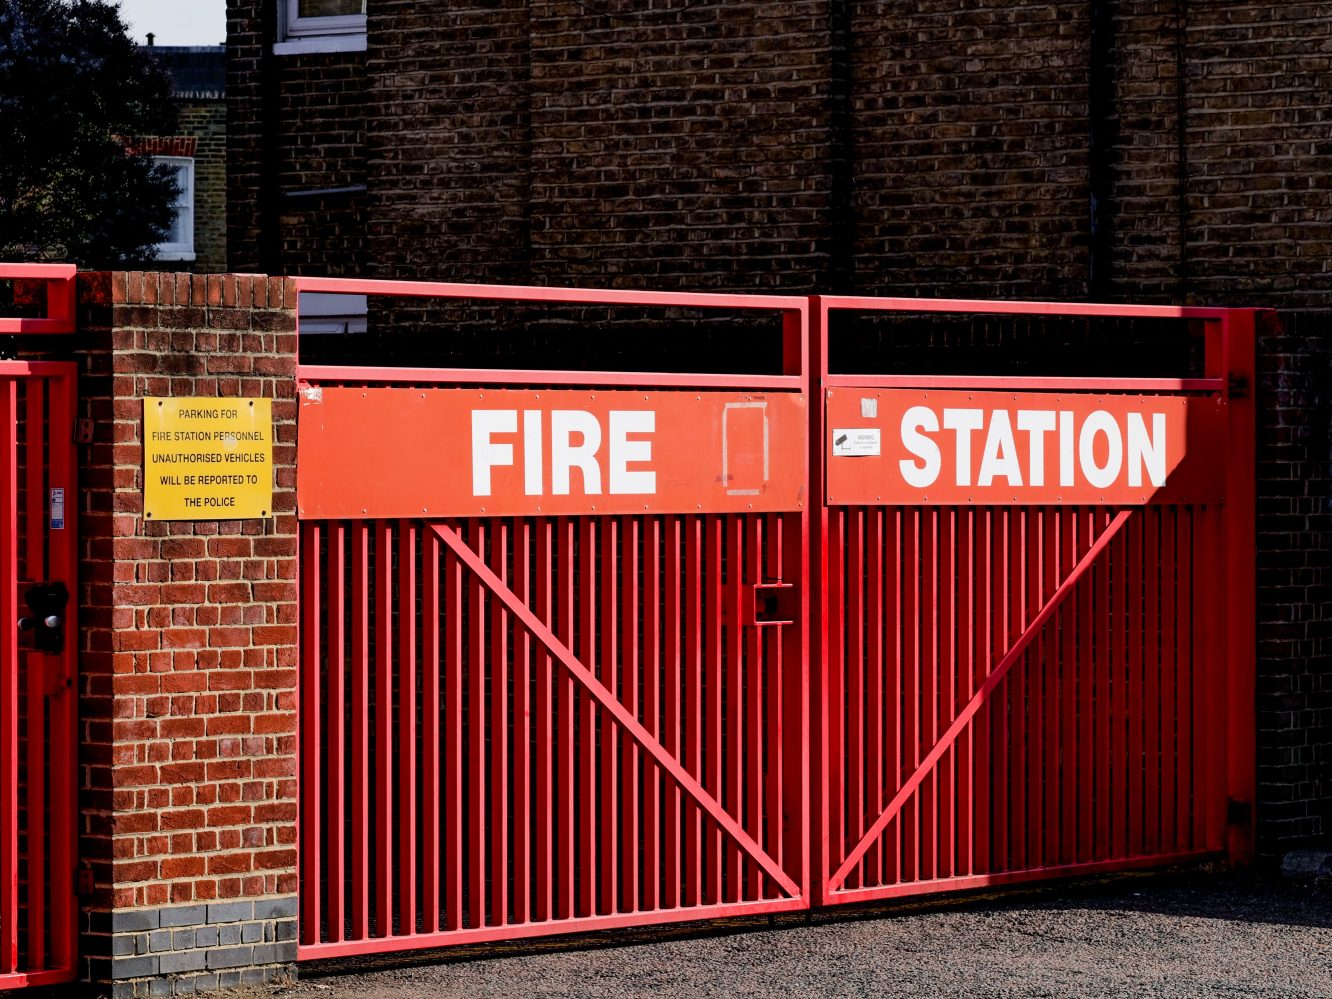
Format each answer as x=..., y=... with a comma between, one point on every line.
x=1009, y=692
x=57, y=282
x=37, y=695
x=529, y=724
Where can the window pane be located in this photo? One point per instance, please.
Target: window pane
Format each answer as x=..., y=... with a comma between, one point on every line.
x=329, y=8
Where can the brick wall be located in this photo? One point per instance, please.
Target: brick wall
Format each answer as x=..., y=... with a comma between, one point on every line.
x=188, y=632
x=206, y=121
x=296, y=124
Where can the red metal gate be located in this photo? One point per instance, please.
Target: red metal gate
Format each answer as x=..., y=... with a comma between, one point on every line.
x=1039, y=667
x=37, y=671
x=529, y=705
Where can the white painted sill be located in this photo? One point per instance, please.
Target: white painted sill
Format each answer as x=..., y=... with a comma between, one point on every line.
x=320, y=43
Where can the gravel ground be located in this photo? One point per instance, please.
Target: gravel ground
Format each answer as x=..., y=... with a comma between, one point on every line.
x=1168, y=936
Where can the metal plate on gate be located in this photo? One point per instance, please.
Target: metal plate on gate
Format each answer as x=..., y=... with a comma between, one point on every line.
x=947, y=447
x=404, y=452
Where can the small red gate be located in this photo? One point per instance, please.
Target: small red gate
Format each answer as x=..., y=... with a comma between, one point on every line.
x=1036, y=644
x=37, y=670
x=553, y=651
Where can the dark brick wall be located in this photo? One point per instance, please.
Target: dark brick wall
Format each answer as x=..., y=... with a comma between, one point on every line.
x=296, y=125
x=207, y=121
x=931, y=147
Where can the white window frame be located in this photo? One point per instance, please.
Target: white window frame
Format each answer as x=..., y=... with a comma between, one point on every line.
x=183, y=250
x=337, y=33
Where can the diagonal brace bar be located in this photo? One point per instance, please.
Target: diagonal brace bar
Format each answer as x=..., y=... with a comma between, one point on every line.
x=609, y=702
x=987, y=688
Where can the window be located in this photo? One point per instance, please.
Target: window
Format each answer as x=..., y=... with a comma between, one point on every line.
x=321, y=313
x=321, y=26
x=179, y=244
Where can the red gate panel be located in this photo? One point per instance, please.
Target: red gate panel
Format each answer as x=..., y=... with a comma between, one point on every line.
x=581, y=714
x=1013, y=683
x=37, y=695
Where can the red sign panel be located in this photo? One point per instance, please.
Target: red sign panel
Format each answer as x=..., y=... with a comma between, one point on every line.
x=942, y=448
x=400, y=452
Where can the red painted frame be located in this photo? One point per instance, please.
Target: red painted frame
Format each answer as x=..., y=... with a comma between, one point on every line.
x=47, y=866
x=451, y=536
x=60, y=297
x=1229, y=374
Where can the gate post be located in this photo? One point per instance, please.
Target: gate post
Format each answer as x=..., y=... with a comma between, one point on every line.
x=188, y=650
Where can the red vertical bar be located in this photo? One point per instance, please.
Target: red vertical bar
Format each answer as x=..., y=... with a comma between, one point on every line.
x=834, y=670
x=1043, y=820
x=1187, y=796
x=733, y=697
x=983, y=763
x=774, y=729
x=1002, y=583
x=1171, y=735
x=965, y=533
x=1023, y=693
x=63, y=565
x=854, y=672
x=478, y=803
x=629, y=630
x=927, y=692
x=1210, y=685
x=312, y=807
x=431, y=805
x=1151, y=695
x=34, y=557
x=1090, y=695
x=9, y=685
x=335, y=663
x=566, y=902
x=456, y=802
x=909, y=818
x=715, y=849
x=545, y=714
x=360, y=741
x=1135, y=572
x=751, y=766
x=946, y=702
x=383, y=756
x=587, y=596
x=522, y=730
x=693, y=715
x=406, y=814
x=875, y=791
x=652, y=570
x=608, y=780
x=499, y=733
x=1070, y=759
x=1117, y=807
x=891, y=852
x=672, y=846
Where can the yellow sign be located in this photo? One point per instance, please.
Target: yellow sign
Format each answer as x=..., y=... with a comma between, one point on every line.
x=207, y=459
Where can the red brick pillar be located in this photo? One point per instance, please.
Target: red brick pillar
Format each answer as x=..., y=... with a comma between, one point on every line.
x=187, y=650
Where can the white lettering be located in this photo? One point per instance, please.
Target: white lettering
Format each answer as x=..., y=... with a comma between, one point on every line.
x=1000, y=454
x=922, y=473
x=623, y=451
x=964, y=422
x=1066, y=445
x=1100, y=476
x=565, y=456
x=486, y=454
x=1036, y=423
x=532, y=484
x=1145, y=452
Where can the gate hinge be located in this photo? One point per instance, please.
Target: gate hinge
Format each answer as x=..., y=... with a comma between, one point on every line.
x=1238, y=387
x=1239, y=813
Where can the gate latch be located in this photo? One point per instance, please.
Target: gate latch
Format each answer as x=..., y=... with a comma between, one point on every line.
x=46, y=616
x=774, y=603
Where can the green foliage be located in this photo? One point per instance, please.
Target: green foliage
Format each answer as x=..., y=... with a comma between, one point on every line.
x=73, y=88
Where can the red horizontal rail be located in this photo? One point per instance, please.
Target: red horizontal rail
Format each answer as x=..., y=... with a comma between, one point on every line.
x=1026, y=383
x=520, y=931
x=980, y=306
x=60, y=298
x=572, y=296
x=353, y=374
